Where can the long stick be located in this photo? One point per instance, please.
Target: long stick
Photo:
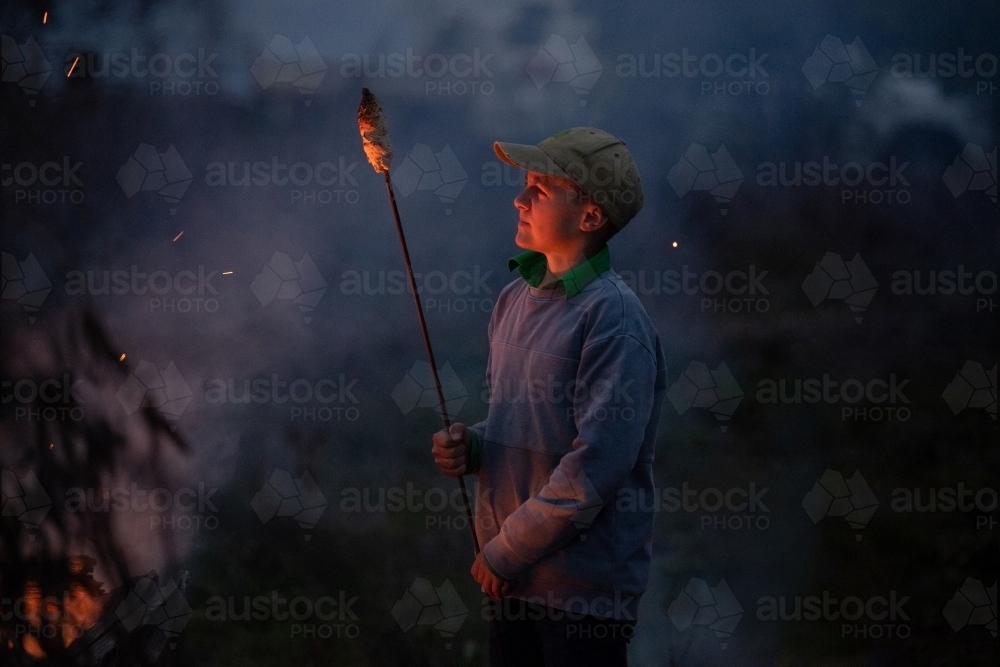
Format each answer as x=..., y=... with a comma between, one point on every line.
x=375, y=140
x=437, y=388
x=430, y=354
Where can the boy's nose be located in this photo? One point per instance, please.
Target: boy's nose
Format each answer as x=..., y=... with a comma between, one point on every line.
x=521, y=201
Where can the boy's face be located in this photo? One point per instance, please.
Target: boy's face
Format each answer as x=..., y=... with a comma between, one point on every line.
x=550, y=213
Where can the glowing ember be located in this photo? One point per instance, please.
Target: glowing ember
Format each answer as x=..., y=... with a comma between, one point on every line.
x=374, y=132
x=45, y=17
x=227, y=273
x=69, y=612
x=72, y=67
x=122, y=358
x=674, y=244
x=178, y=236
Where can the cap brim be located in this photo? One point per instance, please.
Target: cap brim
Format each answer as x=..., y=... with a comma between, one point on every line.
x=531, y=158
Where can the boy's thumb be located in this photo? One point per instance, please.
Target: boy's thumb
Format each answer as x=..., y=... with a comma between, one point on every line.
x=456, y=432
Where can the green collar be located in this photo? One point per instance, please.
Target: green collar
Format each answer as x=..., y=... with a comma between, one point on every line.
x=531, y=265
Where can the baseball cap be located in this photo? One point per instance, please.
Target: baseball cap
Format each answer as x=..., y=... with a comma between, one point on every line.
x=597, y=161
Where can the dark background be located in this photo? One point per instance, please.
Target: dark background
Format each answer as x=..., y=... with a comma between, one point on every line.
x=226, y=115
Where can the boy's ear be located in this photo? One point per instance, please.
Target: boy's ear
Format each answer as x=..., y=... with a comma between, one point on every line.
x=592, y=217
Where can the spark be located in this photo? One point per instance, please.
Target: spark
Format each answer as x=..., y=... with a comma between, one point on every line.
x=178, y=236
x=45, y=17
x=72, y=67
x=227, y=273
x=122, y=358
x=52, y=445
x=674, y=244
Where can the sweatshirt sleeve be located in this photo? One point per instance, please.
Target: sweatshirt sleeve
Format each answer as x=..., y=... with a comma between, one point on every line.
x=620, y=374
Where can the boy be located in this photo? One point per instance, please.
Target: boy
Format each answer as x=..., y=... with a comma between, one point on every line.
x=576, y=378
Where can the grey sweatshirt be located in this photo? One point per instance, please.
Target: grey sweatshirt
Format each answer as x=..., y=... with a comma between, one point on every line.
x=576, y=386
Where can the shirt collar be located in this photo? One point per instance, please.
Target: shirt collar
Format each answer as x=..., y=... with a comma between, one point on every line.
x=531, y=265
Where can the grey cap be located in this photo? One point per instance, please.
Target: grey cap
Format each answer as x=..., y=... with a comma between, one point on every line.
x=598, y=162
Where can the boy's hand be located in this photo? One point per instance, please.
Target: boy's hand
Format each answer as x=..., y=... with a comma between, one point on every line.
x=450, y=449
x=489, y=583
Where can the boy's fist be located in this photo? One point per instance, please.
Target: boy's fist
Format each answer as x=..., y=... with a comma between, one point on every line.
x=489, y=582
x=451, y=448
